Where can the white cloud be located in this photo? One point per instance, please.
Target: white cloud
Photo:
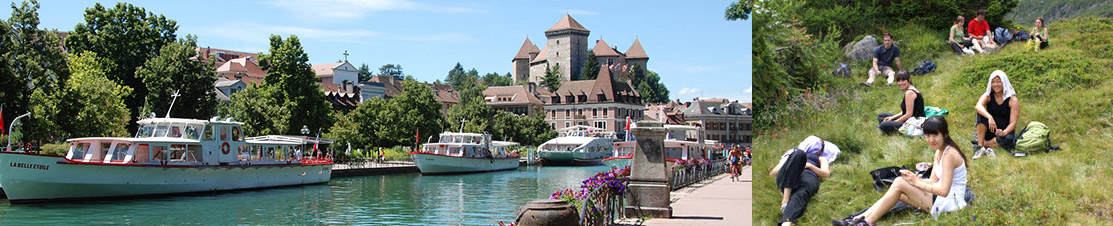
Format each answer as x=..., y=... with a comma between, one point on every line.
x=688, y=91
x=353, y=9
x=748, y=90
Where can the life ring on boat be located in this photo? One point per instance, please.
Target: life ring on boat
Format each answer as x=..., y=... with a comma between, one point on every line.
x=225, y=148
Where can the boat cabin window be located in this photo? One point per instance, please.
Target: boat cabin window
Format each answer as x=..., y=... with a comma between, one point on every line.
x=79, y=150
x=145, y=131
x=209, y=132
x=192, y=132
x=674, y=153
x=224, y=133
x=455, y=151
x=161, y=130
x=158, y=153
x=236, y=134
x=175, y=132
x=120, y=151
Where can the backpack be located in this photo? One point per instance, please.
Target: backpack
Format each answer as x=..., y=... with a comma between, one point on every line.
x=1021, y=36
x=843, y=70
x=1002, y=36
x=1035, y=138
x=925, y=67
x=883, y=177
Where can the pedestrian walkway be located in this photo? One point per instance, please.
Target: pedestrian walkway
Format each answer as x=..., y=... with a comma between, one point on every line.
x=716, y=201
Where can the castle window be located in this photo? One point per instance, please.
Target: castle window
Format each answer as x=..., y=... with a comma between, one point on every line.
x=567, y=114
x=602, y=98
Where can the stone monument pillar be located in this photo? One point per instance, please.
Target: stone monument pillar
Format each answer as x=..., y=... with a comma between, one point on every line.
x=649, y=188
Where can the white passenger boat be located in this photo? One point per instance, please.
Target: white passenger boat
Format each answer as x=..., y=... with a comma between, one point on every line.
x=577, y=145
x=458, y=153
x=167, y=156
x=682, y=142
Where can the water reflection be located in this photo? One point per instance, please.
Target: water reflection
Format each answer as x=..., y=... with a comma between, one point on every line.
x=402, y=199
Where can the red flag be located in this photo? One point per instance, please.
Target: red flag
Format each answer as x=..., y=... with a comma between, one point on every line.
x=418, y=138
x=2, y=130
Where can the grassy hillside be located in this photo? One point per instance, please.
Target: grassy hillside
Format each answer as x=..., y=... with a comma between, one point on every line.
x=1053, y=10
x=1067, y=86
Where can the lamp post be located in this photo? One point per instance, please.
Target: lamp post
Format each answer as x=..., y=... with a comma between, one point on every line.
x=305, y=130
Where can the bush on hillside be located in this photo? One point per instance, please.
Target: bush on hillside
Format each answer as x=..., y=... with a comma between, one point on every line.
x=1080, y=25
x=860, y=17
x=1034, y=74
x=1098, y=45
x=918, y=43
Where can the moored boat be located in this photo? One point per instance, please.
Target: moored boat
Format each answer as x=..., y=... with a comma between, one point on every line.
x=577, y=145
x=681, y=143
x=459, y=153
x=167, y=156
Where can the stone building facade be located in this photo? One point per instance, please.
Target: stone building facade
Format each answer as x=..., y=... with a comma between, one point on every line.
x=566, y=46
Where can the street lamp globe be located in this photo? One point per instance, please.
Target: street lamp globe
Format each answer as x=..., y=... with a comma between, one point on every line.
x=305, y=130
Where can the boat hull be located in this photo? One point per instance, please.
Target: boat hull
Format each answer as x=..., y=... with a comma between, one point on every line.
x=36, y=178
x=435, y=164
x=568, y=158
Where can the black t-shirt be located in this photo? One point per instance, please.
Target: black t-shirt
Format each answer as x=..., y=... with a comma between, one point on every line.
x=885, y=56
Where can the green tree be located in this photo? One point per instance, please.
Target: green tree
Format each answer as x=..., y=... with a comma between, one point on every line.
x=392, y=70
x=260, y=113
x=398, y=122
x=494, y=79
x=91, y=105
x=652, y=90
x=365, y=73
x=31, y=60
x=456, y=77
x=591, y=67
x=357, y=127
x=294, y=85
x=173, y=70
x=128, y=36
x=552, y=78
x=740, y=10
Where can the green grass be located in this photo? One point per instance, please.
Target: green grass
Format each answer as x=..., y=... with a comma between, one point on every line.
x=1067, y=187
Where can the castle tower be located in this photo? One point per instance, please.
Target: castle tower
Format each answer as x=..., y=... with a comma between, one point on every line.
x=520, y=63
x=567, y=47
x=636, y=55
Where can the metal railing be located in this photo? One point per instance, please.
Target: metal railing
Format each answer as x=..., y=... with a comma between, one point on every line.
x=683, y=176
x=603, y=206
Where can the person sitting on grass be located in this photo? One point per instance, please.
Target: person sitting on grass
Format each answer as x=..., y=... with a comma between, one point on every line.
x=960, y=40
x=1039, y=36
x=998, y=110
x=798, y=174
x=942, y=192
x=911, y=105
x=979, y=28
x=884, y=57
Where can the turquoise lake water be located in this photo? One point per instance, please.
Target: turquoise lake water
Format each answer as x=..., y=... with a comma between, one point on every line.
x=399, y=199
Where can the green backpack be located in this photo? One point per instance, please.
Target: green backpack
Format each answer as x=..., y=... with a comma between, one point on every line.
x=1034, y=138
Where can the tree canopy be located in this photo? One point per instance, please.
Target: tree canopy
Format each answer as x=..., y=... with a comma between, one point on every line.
x=174, y=70
x=293, y=83
x=591, y=67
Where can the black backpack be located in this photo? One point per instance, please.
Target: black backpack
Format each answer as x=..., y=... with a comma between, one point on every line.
x=885, y=176
x=925, y=67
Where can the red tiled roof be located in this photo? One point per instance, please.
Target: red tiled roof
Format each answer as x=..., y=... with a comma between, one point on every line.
x=613, y=91
x=567, y=23
x=243, y=66
x=206, y=52
x=635, y=51
x=527, y=48
x=325, y=70
x=542, y=56
x=517, y=94
x=603, y=50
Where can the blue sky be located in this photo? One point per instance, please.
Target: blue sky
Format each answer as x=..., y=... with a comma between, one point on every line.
x=696, y=52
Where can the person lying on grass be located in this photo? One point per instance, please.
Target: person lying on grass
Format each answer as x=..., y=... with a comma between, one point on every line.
x=942, y=192
x=911, y=105
x=798, y=174
x=998, y=110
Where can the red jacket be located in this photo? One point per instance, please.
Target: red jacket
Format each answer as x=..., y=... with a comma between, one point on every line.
x=977, y=28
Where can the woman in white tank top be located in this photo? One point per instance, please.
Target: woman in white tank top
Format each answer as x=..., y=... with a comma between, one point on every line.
x=943, y=192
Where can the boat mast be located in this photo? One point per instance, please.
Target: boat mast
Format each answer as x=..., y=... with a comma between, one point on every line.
x=462, y=121
x=175, y=95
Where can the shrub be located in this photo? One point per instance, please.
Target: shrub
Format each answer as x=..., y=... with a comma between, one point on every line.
x=918, y=43
x=1034, y=74
x=56, y=149
x=1098, y=45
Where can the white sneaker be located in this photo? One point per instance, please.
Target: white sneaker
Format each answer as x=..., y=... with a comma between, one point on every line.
x=978, y=153
x=968, y=51
x=989, y=152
